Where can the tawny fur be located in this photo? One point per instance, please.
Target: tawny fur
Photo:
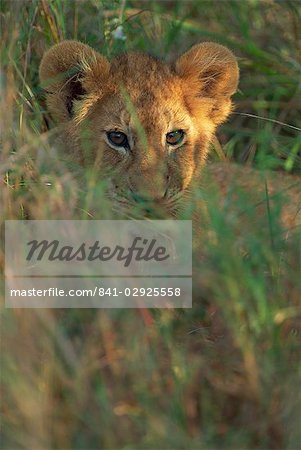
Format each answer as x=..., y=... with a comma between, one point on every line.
x=88, y=96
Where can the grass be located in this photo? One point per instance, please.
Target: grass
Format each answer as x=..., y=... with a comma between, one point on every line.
x=225, y=374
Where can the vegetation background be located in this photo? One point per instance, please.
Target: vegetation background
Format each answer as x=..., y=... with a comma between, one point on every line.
x=226, y=374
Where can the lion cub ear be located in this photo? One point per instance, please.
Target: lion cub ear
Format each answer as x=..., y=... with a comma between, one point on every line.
x=210, y=72
x=72, y=71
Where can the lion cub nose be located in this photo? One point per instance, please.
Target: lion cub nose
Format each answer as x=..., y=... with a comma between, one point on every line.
x=149, y=189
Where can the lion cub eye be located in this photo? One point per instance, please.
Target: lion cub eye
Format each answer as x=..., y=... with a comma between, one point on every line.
x=118, y=138
x=175, y=137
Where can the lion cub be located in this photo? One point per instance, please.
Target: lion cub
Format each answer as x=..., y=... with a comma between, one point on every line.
x=144, y=125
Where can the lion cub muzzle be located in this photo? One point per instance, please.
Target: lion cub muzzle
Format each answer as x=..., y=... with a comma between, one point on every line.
x=149, y=187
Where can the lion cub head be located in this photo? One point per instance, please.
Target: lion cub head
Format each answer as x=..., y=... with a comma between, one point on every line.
x=145, y=124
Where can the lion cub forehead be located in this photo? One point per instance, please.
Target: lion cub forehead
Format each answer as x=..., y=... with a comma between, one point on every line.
x=139, y=71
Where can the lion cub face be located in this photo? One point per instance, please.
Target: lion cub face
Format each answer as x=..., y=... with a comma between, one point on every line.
x=146, y=125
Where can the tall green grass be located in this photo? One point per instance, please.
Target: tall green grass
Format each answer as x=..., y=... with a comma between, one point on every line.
x=225, y=374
